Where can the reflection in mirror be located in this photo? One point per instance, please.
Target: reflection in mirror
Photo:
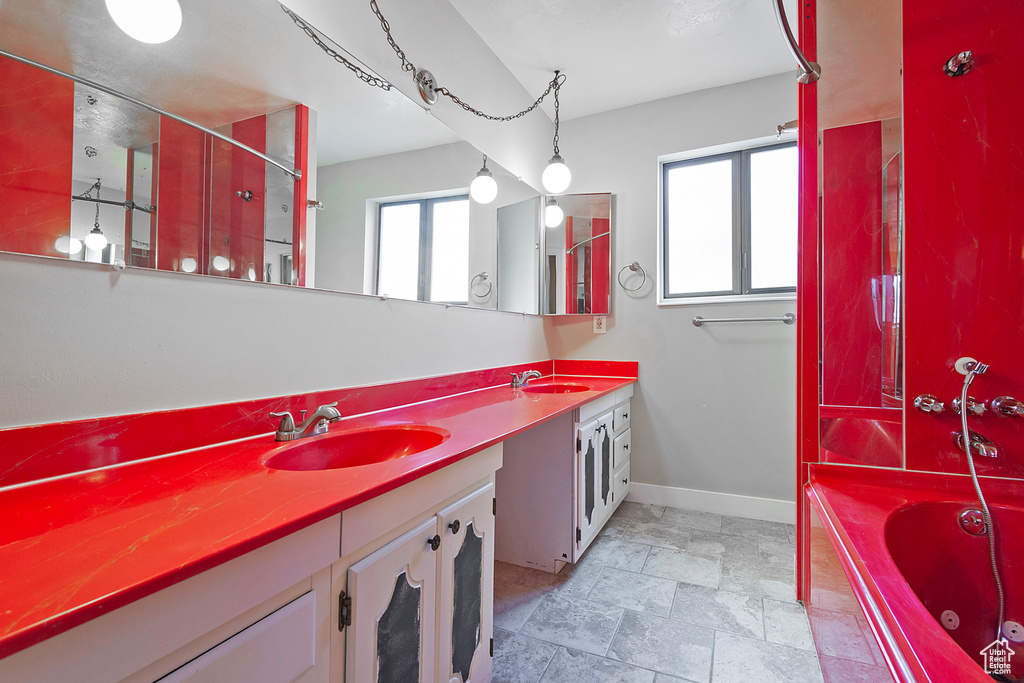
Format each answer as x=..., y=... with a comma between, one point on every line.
x=185, y=201
x=518, y=250
x=860, y=186
x=577, y=260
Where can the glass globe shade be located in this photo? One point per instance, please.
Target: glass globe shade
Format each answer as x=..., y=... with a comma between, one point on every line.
x=556, y=177
x=63, y=244
x=553, y=215
x=252, y=274
x=483, y=189
x=148, y=21
x=75, y=245
x=96, y=240
x=189, y=265
x=221, y=263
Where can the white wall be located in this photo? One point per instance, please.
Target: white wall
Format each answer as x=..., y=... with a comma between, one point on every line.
x=715, y=408
x=82, y=340
x=343, y=260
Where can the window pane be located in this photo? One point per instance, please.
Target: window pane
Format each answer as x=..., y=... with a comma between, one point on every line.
x=773, y=218
x=699, y=227
x=399, y=250
x=449, y=259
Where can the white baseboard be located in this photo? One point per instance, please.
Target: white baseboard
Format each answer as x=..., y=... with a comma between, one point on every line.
x=767, y=509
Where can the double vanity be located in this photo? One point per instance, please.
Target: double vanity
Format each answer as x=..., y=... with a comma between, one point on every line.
x=363, y=553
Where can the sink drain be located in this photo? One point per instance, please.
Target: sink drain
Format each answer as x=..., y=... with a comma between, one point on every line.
x=949, y=620
x=1013, y=631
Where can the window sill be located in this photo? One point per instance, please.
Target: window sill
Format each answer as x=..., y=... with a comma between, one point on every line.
x=727, y=299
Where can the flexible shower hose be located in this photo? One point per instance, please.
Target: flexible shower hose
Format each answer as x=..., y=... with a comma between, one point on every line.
x=990, y=530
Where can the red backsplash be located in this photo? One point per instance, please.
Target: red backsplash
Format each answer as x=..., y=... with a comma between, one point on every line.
x=48, y=450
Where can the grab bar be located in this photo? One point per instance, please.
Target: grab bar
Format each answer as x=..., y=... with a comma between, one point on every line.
x=809, y=71
x=295, y=173
x=788, y=319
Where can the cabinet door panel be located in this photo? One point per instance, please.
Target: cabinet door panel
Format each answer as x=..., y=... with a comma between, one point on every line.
x=620, y=451
x=594, y=480
x=466, y=590
x=392, y=636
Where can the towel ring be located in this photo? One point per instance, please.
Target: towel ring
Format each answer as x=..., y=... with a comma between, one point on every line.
x=634, y=266
x=483, y=279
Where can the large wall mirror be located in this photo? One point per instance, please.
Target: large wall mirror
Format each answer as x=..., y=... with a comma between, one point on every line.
x=391, y=182
x=861, y=232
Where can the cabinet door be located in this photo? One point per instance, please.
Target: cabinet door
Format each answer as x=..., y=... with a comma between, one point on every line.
x=392, y=636
x=594, y=480
x=466, y=588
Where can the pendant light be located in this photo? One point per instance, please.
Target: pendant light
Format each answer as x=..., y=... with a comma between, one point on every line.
x=66, y=244
x=147, y=21
x=483, y=189
x=553, y=214
x=556, y=177
x=189, y=265
x=96, y=240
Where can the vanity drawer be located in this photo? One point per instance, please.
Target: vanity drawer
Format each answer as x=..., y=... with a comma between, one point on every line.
x=620, y=450
x=620, y=418
x=621, y=483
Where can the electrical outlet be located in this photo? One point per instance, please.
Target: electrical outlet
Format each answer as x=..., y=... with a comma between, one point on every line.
x=599, y=324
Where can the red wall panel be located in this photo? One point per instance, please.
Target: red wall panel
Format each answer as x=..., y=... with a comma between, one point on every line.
x=851, y=236
x=964, y=184
x=600, y=266
x=181, y=203
x=36, y=142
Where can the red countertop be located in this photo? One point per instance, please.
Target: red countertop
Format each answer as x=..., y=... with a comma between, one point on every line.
x=77, y=546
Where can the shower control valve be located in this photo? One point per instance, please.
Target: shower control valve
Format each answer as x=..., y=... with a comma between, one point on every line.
x=974, y=406
x=927, y=403
x=1005, y=405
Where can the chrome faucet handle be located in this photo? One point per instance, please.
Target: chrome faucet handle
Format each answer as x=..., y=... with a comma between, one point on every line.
x=1006, y=405
x=974, y=406
x=517, y=380
x=287, y=422
x=928, y=403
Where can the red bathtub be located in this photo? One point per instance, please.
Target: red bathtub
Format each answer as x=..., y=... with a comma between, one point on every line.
x=888, y=557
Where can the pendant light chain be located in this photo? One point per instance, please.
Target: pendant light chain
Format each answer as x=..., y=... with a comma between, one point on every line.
x=361, y=74
x=408, y=66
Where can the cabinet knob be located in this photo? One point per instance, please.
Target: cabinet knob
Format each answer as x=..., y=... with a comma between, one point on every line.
x=625, y=416
x=454, y=526
x=434, y=542
x=626, y=446
x=625, y=481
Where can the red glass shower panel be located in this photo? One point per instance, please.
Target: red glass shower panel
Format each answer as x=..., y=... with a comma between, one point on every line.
x=851, y=268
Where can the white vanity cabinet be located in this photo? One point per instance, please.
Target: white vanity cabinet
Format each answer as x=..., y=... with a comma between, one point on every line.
x=415, y=601
x=560, y=482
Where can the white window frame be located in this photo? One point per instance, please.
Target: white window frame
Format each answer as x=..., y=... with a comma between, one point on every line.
x=426, y=245
x=695, y=154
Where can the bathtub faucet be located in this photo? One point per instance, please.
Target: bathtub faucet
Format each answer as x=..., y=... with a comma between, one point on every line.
x=979, y=444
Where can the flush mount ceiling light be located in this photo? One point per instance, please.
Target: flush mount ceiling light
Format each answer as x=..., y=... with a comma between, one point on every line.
x=556, y=176
x=148, y=21
x=483, y=189
x=553, y=214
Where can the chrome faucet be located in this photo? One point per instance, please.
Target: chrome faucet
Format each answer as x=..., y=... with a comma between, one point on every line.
x=522, y=379
x=979, y=444
x=318, y=423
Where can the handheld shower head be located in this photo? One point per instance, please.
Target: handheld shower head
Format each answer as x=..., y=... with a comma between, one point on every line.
x=967, y=365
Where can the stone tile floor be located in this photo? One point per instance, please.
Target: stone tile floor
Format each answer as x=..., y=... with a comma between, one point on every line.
x=662, y=595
